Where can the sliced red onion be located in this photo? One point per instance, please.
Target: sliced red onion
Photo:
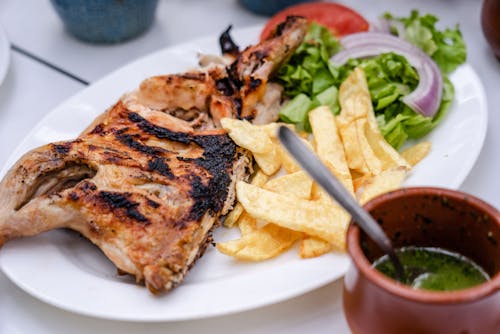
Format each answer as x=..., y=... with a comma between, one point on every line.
x=426, y=97
x=381, y=25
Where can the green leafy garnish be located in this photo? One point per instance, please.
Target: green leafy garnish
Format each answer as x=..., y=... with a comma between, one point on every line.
x=309, y=74
x=390, y=77
x=310, y=80
x=446, y=48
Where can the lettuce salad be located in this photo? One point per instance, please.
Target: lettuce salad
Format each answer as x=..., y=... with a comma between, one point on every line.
x=310, y=79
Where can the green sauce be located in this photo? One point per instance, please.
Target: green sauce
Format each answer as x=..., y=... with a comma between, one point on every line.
x=434, y=269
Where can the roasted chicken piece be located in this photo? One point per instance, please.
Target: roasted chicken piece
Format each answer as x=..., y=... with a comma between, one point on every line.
x=236, y=91
x=148, y=179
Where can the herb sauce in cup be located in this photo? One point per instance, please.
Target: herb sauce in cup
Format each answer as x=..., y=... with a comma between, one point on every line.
x=432, y=268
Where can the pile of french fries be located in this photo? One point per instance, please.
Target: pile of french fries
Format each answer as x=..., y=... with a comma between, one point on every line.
x=282, y=205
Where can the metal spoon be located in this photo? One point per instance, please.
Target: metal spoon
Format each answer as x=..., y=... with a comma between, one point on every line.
x=317, y=170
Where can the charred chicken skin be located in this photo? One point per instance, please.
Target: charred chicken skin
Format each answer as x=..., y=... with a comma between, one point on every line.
x=147, y=181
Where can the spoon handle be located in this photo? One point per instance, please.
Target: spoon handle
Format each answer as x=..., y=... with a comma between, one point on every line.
x=318, y=171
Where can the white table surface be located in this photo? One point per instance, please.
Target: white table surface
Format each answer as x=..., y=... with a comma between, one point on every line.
x=30, y=90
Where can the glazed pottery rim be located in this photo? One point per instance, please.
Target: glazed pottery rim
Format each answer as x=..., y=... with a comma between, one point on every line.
x=430, y=297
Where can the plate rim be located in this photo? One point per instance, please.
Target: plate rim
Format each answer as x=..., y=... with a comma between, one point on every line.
x=249, y=30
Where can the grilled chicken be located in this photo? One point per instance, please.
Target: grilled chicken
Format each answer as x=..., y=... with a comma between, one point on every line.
x=147, y=181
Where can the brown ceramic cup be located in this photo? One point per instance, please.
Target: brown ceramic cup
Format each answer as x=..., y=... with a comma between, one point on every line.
x=427, y=217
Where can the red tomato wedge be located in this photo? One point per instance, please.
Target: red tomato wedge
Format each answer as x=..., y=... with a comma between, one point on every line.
x=340, y=20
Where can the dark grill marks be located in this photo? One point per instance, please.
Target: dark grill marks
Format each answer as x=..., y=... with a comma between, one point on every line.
x=117, y=201
x=160, y=166
x=218, y=156
x=152, y=203
x=202, y=198
x=290, y=20
x=254, y=84
x=157, y=131
x=193, y=76
x=98, y=130
x=227, y=45
x=64, y=147
x=225, y=86
x=217, y=159
x=130, y=141
x=239, y=106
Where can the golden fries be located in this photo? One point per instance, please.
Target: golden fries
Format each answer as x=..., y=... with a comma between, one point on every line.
x=311, y=217
x=328, y=145
x=260, y=244
x=275, y=211
x=416, y=153
x=313, y=247
x=246, y=135
x=386, y=181
x=298, y=184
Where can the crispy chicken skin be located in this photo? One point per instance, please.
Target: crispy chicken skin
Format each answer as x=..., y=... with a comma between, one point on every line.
x=234, y=91
x=147, y=181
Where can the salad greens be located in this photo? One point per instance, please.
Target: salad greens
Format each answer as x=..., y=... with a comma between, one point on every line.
x=446, y=48
x=311, y=80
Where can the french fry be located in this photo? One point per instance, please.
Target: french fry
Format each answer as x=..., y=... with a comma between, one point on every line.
x=313, y=247
x=269, y=162
x=247, y=224
x=416, y=152
x=388, y=180
x=387, y=155
x=329, y=146
x=357, y=113
x=260, y=244
x=248, y=136
x=298, y=184
x=288, y=162
x=274, y=213
x=311, y=217
x=359, y=154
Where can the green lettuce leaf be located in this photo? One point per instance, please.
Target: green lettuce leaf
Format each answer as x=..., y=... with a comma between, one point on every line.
x=310, y=80
x=390, y=77
x=446, y=47
x=309, y=74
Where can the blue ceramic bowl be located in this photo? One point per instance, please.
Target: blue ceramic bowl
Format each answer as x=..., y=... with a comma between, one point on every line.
x=106, y=21
x=269, y=7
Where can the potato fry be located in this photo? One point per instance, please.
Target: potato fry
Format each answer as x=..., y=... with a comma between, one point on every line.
x=416, y=153
x=274, y=213
x=269, y=162
x=260, y=244
x=247, y=224
x=387, y=154
x=272, y=128
x=329, y=146
x=360, y=181
x=258, y=179
x=359, y=154
x=248, y=136
x=312, y=217
x=357, y=109
x=298, y=184
x=313, y=247
x=388, y=180
x=288, y=162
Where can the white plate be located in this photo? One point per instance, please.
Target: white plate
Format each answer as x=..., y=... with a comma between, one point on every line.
x=67, y=271
x=4, y=54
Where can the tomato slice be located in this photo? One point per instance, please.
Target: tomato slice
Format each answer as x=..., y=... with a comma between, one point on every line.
x=340, y=20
